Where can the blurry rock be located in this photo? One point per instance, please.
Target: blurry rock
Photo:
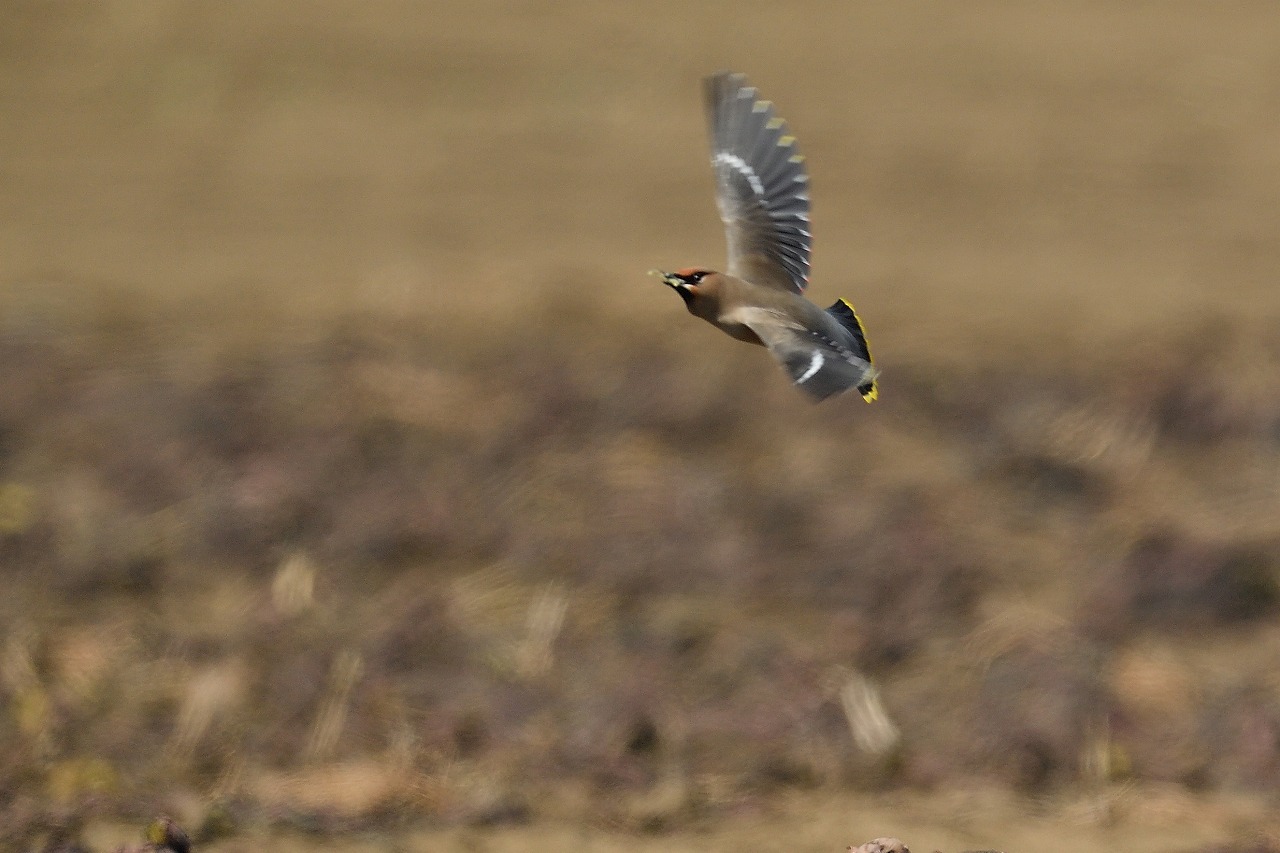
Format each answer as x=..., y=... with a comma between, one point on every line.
x=881, y=845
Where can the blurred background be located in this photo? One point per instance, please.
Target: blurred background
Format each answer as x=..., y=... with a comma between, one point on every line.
x=354, y=477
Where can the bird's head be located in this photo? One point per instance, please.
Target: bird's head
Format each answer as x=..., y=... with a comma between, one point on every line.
x=692, y=284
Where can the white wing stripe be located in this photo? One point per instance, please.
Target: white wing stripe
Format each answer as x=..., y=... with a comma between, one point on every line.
x=815, y=364
x=733, y=161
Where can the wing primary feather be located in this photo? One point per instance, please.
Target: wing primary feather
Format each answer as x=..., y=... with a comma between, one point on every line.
x=761, y=183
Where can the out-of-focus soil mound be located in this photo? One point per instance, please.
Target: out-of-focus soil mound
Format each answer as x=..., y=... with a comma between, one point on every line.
x=352, y=474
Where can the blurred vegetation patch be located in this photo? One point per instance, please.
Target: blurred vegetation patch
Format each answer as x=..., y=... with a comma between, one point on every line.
x=368, y=572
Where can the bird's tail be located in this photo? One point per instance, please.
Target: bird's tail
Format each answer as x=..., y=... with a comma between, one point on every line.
x=847, y=317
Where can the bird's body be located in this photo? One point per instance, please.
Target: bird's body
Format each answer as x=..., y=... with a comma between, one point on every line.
x=763, y=195
x=741, y=302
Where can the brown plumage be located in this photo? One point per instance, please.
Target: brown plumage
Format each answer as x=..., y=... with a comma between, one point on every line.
x=762, y=190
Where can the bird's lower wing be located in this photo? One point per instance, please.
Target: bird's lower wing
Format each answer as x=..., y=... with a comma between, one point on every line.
x=817, y=365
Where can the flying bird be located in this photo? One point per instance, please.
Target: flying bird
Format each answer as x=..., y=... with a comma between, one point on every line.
x=762, y=190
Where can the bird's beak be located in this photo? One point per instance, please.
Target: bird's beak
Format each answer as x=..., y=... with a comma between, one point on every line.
x=671, y=280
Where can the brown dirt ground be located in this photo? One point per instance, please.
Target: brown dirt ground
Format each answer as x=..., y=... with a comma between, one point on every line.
x=355, y=482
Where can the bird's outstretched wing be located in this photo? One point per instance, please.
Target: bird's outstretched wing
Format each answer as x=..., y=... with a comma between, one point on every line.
x=817, y=364
x=761, y=185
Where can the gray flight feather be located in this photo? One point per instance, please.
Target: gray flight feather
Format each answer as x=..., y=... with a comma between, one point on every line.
x=761, y=185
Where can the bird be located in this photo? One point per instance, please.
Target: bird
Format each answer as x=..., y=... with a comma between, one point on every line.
x=762, y=190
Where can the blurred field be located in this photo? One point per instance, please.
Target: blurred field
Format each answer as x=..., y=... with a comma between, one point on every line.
x=356, y=486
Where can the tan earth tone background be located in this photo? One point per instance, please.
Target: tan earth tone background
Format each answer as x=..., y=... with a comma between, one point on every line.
x=358, y=491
